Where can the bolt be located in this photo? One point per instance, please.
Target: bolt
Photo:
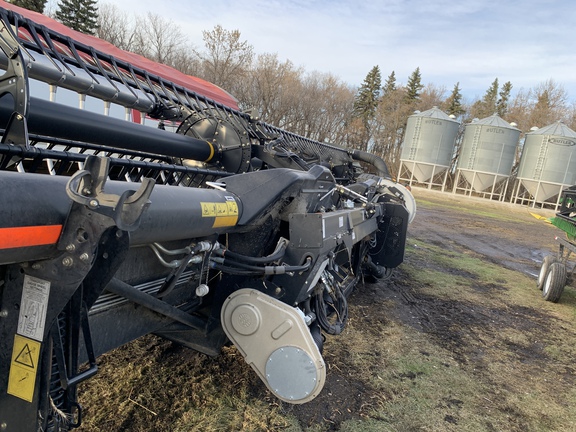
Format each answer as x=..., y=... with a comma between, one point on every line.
x=36, y=266
x=93, y=203
x=67, y=261
x=86, y=191
x=84, y=257
x=105, y=255
x=3, y=426
x=3, y=313
x=71, y=247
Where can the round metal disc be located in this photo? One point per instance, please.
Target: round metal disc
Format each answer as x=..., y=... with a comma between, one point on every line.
x=291, y=373
x=245, y=319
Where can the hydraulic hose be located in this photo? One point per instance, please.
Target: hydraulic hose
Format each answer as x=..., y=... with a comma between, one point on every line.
x=235, y=271
x=170, y=282
x=373, y=160
x=228, y=266
x=275, y=256
x=338, y=306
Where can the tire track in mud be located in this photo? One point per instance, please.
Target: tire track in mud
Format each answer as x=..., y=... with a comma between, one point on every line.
x=484, y=330
x=517, y=242
x=476, y=336
x=482, y=335
x=466, y=328
x=517, y=246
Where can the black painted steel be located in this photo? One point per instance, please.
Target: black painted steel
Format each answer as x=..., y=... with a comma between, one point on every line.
x=52, y=119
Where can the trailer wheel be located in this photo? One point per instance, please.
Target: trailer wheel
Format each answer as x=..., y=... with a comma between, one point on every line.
x=555, y=282
x=548, y=261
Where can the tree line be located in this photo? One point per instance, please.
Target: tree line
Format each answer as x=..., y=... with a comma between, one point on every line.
x=314, y=104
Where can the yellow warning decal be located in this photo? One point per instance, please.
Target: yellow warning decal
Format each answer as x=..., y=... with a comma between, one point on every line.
x=225, y=213
x=23, y=367
x=225, y=221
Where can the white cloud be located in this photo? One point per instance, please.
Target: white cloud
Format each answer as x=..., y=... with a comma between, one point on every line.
x=471, y=42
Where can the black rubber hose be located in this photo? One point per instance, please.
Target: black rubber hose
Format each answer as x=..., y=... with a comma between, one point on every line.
x=236, y=271
x=317, y=336
x=268, y=270
x=276, y=255
x=173, y=277
x=373, y=160
x=340, y=307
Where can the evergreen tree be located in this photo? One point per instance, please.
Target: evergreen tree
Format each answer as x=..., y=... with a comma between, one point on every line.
x=414, y=85
x=33, y=5
x=541, y=114
x=368, y=95
x=487, y=105
x=390, y=84
x=491, y=98
x=502, y=104
x=453, y=105
x=79, y=15
x=364, y=109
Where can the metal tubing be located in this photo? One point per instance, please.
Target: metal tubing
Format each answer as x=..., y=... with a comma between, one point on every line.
x=175, y=212
x=57, y=120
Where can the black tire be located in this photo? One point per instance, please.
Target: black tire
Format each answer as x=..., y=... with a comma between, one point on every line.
x=548, y=260
x=554, y=282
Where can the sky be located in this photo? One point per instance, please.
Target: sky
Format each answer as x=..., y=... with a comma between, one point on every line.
x=469, y=41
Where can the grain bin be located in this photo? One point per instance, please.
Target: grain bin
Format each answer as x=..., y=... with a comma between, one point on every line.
x=428, y=144
x=487, y=153
x=548, y=161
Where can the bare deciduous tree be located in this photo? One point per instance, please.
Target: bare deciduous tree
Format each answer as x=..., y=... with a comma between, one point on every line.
x=432, y=95
x=159, y=39
x=115, y=26
x=272, y=87
x=549, y=103
x=226, y=58
x=392, y=115
x=326, y=103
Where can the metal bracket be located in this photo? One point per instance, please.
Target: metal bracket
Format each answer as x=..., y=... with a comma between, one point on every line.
x=86, y=187
x=15, y=82
x=70, y=381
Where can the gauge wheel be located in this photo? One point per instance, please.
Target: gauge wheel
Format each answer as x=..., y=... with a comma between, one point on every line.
x=548, y=261
x=554, y=282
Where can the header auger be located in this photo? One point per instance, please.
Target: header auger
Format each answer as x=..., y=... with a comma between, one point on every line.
x=226, y=230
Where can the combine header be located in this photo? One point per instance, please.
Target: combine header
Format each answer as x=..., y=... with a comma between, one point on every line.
x=227, y=229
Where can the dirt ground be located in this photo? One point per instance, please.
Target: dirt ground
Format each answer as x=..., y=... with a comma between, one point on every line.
x=499, y=233
x=518, y=242
x=509, y=348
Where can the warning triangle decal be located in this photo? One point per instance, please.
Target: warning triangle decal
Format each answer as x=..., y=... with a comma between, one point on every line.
x=24, y=357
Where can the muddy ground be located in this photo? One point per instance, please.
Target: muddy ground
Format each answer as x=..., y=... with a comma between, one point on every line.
x=497, y=232
x=507, y=234
x=495, y=340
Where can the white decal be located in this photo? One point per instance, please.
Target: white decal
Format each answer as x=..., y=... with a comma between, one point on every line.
x=33, y=308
